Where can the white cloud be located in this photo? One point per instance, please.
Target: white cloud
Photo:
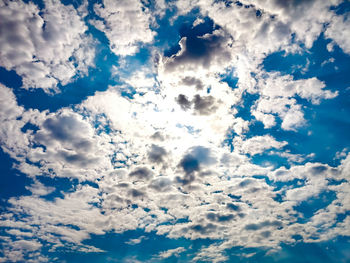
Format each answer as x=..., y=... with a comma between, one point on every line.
x=278, y=95
x=257, y=144
x=304, y=18
x=338, y=31
x=171, y=252
x=45, y=47
x=125, y=23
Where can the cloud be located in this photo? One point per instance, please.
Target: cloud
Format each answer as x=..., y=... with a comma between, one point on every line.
x=192, y=81
x=204, y=105
x=258, y=226
x=208, y=187
x=26, y=245
x=13, y=118
x=161, y=160
x=135, y=241
x=161, y=184
x=171, y=252
x=337, y=30
x=257, y=144
x=141, y=173
x=125, y=23
x=194, y=161
x=183, y=101
x=204, y=51
x=44, y=47
x=278, y=95
x=304, y=18
x=189, y=164
x=219, y=218
x=157, y=154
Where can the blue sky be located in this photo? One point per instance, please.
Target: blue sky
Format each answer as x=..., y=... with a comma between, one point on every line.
x=174, y=131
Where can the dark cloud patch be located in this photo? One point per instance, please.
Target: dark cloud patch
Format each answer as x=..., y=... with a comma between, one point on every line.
x=66, y=129
x=142, y=173
x=203, y=155
x=123, y=185
x=158, y=136
x=183, y=101
x=201, y=50
x=76, y=159
x=265, y=234
x=246, y=182
x=191, y=81
x=288, y=4
x=319, y=169
x=267, y=223
x=197, y=156
x=115, y=198
x=205, y=173
x=219, y=218
x=193, y=161
x=204, y=229
x=156, y=154
x=63, y=128
x=234, y=207
x=136, y=193
x=160, y=184
x=187, y=179
x=204, y=105
x=189, y=164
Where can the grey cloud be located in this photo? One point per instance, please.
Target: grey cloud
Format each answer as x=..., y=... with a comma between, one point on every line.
x=161, y=184
x=123, y=185
x=201, y=50
x=204, y=229
x=183, y=101
x=246, y=182
x=267, y=223
x=204, y=105
x=67, y=138
x=65, y=129
x=203, y=155
x=189, y=164
x=219, y=218
x=193, y=161
x=265, y=234
x=142, y=173
x=319, y=169
x=293, y=3
x=158, y=136
x=62, y=128
x=136, y=193
x=205, y=173
x=234, y=207
x=156, y=154
x=197, y=155
x=191, y=81
x=187, y=179
x=79, y=159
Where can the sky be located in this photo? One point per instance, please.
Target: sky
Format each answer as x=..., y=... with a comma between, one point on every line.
x=175, y=131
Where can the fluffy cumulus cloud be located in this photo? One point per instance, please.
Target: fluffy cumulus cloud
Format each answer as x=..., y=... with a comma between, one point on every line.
x=190, y=139
x=125, y=23
x=337, y=31
x=45, y=47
